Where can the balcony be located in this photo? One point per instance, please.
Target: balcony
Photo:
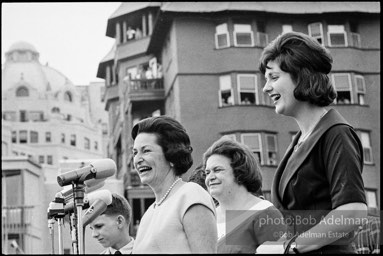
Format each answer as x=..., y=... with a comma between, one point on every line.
x=145, y=89
x=16, y=219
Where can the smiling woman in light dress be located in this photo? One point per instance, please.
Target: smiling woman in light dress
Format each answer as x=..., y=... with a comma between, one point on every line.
x=182, y=218
x=234, y=179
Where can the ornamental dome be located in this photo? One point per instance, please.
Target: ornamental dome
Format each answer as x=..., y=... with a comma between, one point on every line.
x=22, y=64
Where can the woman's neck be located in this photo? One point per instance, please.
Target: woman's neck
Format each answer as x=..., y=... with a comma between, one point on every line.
x=241, y=199
x=161, y=188
x=309, y=118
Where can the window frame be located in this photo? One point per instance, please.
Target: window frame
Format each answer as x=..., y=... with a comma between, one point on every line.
x=256, y=96
x=238, y=31
x=86, y=143
x=24, y=91
x=274, y=136
x=367, y=146
x=34, y=136
x=344, y=35
x=220, y=91
x=343, y=90
x=231, y=136
x=218, y=33
x=259, y=135
x=48, y=137
x=320, y=31
x=360, y=92
x=23, y=134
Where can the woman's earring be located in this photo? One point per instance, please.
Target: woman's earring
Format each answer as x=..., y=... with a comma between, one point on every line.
x=171, y=165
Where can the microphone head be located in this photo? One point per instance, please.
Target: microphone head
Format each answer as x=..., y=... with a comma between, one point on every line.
x=104, y=168
x=95, y=187
x=103, y=195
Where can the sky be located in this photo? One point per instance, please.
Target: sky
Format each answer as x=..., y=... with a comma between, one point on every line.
x=70, y=37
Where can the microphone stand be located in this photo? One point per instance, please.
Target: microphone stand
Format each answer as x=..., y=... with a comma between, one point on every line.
x=73, y=231
x=79, y=191
x=51, y=222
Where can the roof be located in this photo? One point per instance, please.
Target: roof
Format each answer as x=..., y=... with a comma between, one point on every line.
x=128, y=7
x=275, y=7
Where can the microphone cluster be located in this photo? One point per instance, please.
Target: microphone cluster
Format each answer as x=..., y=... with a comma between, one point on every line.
x=82, y=194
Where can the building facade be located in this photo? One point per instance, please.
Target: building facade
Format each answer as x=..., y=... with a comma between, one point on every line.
x=198, y=62
x=46, y=120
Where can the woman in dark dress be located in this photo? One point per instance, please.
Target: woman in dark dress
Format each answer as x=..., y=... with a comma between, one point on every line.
x=318, y=185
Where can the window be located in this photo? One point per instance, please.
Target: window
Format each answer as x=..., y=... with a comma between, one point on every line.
x=230, y=136
x=48, y=136
x=221, y=36
x=14, y=137
x=286, y=28
x=95, y=145
x=34, y=137
x=73, y=140
x=23, y=116
x=360, y=89
x=243, y=35
x=63, y=138
x=49, y=159
x=354, y=35
x=336, y=35
x=23, y=136
x=225, y=91
x=316, y=31
x=41, y=159
x=247, y=89
x=342, y=84
x=262, y=37
x=271, y=149
x=372, y=201
x=55, y=110
x=22, y=91
x=86, y=143
x=9, y=115
x=367, y=150
x=36, y=116
x=68, y=96
x=253, y=141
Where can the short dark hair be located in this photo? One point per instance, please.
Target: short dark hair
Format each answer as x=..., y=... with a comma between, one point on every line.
x=199, y=176
x=244, y=163
x=308, y=63
x=119, y=206
x=172, y=138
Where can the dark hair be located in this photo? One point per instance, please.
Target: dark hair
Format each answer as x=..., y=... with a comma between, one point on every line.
x=308, y=63
x=172, y=138
x=199, y=176
x=244, y=163
x=119, y=206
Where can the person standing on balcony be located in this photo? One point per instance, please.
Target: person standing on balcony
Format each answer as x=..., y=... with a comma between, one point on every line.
x=111, y=228
x=320, y=176
x=182, y=218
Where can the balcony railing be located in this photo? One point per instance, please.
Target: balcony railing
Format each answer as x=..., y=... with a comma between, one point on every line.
x=145, y=89
x=16, y=218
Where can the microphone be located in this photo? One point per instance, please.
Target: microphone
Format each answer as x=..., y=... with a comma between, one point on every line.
x=89, y=199
x=90, y=185
x=97, y=207
x=98, y=169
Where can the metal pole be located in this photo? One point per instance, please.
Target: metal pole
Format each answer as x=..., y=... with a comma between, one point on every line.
x=79, y=229
x=51, y=231
x=60, y=222
x=79, y=201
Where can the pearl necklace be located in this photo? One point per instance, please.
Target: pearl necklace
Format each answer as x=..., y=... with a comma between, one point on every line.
x=301, y=140
x=167, y=192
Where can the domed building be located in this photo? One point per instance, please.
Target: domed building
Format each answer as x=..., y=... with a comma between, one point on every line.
x=47, y=112
x=46, y=121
